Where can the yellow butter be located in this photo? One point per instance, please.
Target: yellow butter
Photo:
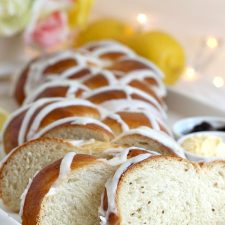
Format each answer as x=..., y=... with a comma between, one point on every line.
x=205, y=145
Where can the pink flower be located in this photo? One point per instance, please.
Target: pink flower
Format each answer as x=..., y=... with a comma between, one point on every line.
x=50, y=31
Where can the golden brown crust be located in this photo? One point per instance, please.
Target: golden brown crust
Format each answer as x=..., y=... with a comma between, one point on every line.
x=143, y=86
x=38, y=189
x=113, y=55
x=128, y=65
x=41, y=184
x=132, y=119
x=135, y=119
x=57, y=91
x=69, y=111
x=135, y=152
x=59, y=66
x=115, y=94
x=80, y=74
x=10, y=135
x=107, y=95
x=96, y=81
x=19, y=92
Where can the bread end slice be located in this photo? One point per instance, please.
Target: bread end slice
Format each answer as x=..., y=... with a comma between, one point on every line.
x=166, y=190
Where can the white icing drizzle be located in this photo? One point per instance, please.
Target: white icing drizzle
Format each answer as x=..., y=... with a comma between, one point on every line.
x=112, y=184
x=65, y=165
x=49, y=108
x=65, y=168
x=71, y=120
x=30, y=112
x=159, y=136
x=107, y=49
x=73, y=86
x=134, y=104
x=120, y=155
x=128, y=90
x=119, y=120
x=37, y=68
x=140, y=75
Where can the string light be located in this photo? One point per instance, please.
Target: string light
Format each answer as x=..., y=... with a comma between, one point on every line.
x=142, y=18
x=218, y=82
x=212, y=42
x=190, y=74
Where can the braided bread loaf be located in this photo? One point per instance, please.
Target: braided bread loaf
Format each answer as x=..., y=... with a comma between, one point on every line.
x=95, y=65
x=128, y=93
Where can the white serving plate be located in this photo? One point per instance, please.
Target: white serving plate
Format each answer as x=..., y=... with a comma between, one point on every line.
x=179, y=106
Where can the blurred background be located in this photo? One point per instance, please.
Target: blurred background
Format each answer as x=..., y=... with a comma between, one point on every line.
x=198, y=27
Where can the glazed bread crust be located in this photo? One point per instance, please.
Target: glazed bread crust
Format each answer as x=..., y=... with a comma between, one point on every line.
x=33, y=207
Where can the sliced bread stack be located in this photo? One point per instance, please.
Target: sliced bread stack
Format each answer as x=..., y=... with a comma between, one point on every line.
x=25, y=161
x=85, y=112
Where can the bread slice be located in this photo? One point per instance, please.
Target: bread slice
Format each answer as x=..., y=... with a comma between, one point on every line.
x=163, y=190
x=23, y=162
x=67, y=192
x=76, y=128
x=148, y=138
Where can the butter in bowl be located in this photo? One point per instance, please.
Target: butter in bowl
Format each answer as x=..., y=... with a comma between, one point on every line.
x=203, y=146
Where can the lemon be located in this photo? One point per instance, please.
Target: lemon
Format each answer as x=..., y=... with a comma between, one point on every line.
x=164, y=50
x=3, y=117
x=104, y=29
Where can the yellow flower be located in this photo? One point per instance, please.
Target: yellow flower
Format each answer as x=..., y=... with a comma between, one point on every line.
x=78, y=14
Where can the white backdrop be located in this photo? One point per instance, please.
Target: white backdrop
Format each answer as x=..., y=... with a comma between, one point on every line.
x=185, y=16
